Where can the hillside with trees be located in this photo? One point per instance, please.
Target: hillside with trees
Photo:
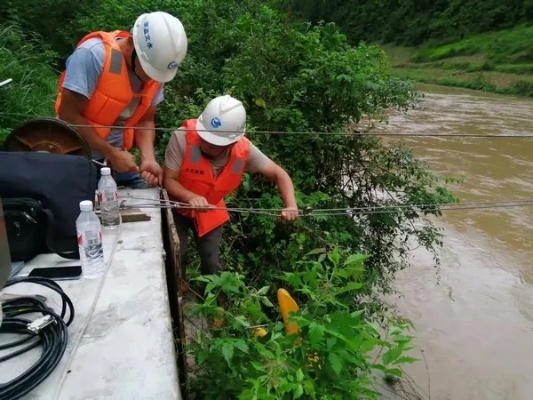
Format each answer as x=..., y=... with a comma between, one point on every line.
x=478, y=44
x=416, y=22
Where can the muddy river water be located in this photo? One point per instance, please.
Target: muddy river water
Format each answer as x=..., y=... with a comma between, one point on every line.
x=474, y=328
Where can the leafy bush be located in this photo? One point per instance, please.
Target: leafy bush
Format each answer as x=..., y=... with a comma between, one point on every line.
x=316, y=82
x=334, y=355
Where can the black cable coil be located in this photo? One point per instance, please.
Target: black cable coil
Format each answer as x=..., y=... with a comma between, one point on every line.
x=51, y=332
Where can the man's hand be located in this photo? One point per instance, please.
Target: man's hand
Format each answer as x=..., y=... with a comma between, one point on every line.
x=199, y=203
x=289, y=213
x=122, y=161
x=152, y=173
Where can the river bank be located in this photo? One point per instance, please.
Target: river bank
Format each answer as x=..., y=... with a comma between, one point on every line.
x=498, y=62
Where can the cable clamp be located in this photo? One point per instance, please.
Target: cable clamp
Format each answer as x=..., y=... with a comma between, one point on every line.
x=40, y=323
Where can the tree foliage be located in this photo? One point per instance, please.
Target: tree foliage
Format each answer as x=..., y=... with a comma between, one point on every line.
x=413, y=22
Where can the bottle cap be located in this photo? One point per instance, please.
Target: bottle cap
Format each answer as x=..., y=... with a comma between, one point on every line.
x=105, y=171
x=86, y=205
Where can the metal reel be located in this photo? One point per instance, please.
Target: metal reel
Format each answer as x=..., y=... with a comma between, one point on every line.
x=48, y=135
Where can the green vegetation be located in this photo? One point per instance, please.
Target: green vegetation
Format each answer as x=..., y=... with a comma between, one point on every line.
x=31, y=93
x=478, y=44
x=415, y=22
x=292, y=76
x=500, y=62
x=333, y=356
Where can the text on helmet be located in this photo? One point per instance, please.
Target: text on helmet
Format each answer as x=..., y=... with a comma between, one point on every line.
x=146, y=31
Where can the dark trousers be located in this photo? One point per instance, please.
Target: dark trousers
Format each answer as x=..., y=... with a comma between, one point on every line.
x=208, y=245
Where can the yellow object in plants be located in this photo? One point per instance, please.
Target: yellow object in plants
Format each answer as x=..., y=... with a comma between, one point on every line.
x=260, y=332
x=287, y=305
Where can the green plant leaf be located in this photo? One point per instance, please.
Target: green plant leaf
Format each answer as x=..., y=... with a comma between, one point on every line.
x=406, y=360
x=241, y=320
x=392, y=354
x=334, y=256
x=316, y=251
x=352, y=286
x=309, y=388
x=227, y=351
x=336, y=363
x=299, y=375
x=316, y=333
x=263, y=290
x=355, y=259
x=241, y=345
x=298, y=391
x=266, y=302
x=394, y=372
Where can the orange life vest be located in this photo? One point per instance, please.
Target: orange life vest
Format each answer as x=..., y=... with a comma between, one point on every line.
x=196, y=175
x=113, y=90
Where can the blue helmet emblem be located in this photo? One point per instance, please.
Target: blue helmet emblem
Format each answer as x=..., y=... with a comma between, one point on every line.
x=172, y=65
x=215, y=123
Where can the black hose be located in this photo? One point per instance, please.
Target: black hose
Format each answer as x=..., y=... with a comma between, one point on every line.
x=49, y=330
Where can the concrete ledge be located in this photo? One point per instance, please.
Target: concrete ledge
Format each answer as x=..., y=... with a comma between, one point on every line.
x=124, y=348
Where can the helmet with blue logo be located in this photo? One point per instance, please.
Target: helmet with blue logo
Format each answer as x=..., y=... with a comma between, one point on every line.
x=160, y=42
x=222, y=122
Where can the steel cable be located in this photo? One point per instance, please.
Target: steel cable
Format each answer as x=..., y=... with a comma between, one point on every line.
x=312, y=133
x=310, y=212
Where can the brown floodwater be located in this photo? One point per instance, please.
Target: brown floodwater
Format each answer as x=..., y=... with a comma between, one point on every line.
x=474, y=328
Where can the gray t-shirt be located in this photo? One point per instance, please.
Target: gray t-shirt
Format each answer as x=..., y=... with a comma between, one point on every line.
x=177, y=144
x=84, y=68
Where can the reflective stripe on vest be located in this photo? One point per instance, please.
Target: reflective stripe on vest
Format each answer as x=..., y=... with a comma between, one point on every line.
x=196, y=175
x=113, y=94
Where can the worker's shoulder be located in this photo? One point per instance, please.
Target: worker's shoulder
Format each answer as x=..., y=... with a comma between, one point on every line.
x=95, y=46
x=180, y=138
x=180, y=132
x=252, y=146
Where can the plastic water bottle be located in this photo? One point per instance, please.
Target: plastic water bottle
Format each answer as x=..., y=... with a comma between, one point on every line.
x=90, y=241
x=108, y=199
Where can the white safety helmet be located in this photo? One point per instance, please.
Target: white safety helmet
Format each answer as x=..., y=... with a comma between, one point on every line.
x=160, y=43
x=222, y=122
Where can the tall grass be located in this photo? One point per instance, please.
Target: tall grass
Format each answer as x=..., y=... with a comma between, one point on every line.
x=33, y=90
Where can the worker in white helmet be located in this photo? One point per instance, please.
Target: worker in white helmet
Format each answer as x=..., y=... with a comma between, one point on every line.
x=111, y=87
x=204, y=162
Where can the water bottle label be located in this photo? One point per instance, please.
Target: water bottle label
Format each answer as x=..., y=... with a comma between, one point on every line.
x=107, y=196
x=90, y=238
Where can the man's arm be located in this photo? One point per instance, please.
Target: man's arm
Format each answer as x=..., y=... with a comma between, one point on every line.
x=179, y=193
x=175, y=189
x=145, y=135
x=279, y=176
x=71, y=110
x=150, y=170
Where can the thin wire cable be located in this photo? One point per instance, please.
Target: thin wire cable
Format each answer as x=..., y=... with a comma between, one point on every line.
x=381, y=206
x=315, y=133
x=354, y=133
x=366, y=210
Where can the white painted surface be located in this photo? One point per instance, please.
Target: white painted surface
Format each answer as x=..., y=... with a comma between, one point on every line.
x=125, y=348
